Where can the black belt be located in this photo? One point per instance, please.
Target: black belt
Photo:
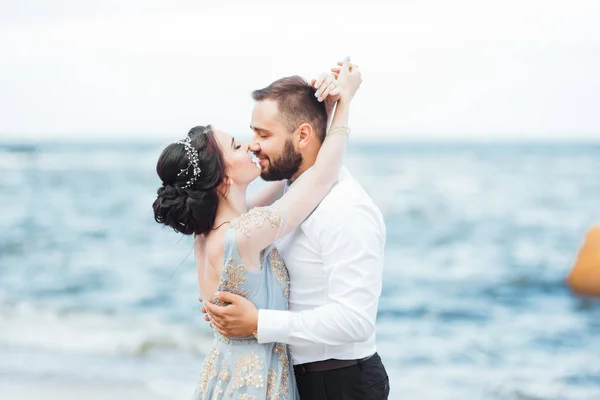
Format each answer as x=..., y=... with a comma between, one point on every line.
x=327, y=365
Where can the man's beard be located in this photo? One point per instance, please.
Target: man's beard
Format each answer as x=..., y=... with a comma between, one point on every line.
x=285, y=166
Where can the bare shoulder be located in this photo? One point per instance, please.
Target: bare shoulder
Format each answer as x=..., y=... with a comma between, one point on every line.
x=214, y=245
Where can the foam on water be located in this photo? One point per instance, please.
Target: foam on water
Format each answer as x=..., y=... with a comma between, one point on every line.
x=31, y=327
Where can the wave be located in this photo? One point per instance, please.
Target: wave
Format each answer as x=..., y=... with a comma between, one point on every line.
x=33, y=327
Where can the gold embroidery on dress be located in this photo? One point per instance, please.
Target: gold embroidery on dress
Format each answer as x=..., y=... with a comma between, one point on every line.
x=257, y=217
x=271, y=384
x=247, y=372
x=208, y=370
x=285, y=365
x=224, y=373
x=223, y=377
x=246, y=396
x=281, y=272
x=218, y=391
x=231, y=280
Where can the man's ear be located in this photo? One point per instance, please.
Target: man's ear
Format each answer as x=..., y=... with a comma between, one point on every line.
x=305, y=133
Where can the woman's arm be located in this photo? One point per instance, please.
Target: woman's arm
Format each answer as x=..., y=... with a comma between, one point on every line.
x=260, y=227
x=267, y=195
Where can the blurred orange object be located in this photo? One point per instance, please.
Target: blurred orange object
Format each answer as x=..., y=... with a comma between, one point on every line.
x=584, y=278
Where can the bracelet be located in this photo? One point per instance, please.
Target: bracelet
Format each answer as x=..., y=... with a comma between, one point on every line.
x=342, y=130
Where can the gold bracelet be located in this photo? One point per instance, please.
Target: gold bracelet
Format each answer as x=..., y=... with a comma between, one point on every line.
x=343, y=130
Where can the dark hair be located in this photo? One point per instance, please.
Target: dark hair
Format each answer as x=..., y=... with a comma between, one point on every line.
x=192, y=209
x=296, y=102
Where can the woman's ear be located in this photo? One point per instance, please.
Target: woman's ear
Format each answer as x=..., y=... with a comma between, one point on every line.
x=305, y=133
x=223, y=188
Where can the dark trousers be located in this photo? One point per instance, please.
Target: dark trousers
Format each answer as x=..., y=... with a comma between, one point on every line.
x=367, y=380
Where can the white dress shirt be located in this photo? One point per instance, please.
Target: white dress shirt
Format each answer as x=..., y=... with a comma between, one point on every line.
x=335, y=262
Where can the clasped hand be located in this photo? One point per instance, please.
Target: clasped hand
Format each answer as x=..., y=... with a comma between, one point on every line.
x=239, y=318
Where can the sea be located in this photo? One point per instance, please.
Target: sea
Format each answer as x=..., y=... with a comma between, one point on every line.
x=480, y=238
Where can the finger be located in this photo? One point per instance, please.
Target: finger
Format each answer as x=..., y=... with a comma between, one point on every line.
x=327, y=90
x=220, y=329
x=218, y=324
x=200, y=299
x=346, y=64
x=214, y=310
x=203, y=310
x=341, y=64
x=216, y=320
x=320, y=80
x=335, y=91
x=313, y=81
x=222, y=332
x=336, y=69
x=228, y=297
x=345, y=67
x=324, y=88
x=206, y=318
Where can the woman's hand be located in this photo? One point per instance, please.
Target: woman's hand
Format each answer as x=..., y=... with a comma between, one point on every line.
x=325, y=86
x=348, y=80
x=329, y=88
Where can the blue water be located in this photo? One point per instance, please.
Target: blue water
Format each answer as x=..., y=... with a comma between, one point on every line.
x=474, y=305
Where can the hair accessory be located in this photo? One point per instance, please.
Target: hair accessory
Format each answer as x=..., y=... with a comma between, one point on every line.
x=194, y=163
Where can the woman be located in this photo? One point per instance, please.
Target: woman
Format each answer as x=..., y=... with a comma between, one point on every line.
x=210, y=171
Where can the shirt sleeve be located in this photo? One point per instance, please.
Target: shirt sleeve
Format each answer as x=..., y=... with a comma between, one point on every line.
x=352, y=241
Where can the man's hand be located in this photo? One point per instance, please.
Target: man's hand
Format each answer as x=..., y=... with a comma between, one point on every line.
x=238, y=319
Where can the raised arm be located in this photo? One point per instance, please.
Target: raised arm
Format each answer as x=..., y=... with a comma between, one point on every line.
x=260, y=227
x=267, y=195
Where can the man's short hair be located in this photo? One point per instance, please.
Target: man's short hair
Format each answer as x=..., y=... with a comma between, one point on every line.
x=297, y=104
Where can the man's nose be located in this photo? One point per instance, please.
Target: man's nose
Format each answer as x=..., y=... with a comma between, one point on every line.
x=254, y=147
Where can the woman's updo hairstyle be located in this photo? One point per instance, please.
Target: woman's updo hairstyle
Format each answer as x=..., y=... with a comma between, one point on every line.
x=189, y=205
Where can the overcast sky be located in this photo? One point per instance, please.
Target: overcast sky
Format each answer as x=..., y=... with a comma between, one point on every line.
x=432, y=69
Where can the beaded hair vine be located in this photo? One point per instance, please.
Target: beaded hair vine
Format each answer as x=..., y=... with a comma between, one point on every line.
x=194, y=163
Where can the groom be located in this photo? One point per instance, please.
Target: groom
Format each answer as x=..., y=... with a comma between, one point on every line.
x=334, y=258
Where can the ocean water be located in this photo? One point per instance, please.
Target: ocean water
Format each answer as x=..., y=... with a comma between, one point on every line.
x=474, y=305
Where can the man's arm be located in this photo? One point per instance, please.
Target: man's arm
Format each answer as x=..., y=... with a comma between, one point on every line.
x=352, y=243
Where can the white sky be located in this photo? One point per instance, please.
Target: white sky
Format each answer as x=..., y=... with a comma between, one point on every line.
x=431, y=68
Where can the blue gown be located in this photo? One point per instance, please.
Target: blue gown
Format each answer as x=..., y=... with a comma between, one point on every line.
x=241, y=368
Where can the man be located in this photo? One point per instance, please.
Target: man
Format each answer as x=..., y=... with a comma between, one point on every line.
x=334, y=258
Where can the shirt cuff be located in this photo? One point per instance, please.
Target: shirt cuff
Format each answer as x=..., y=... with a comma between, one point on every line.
x=273, y=326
